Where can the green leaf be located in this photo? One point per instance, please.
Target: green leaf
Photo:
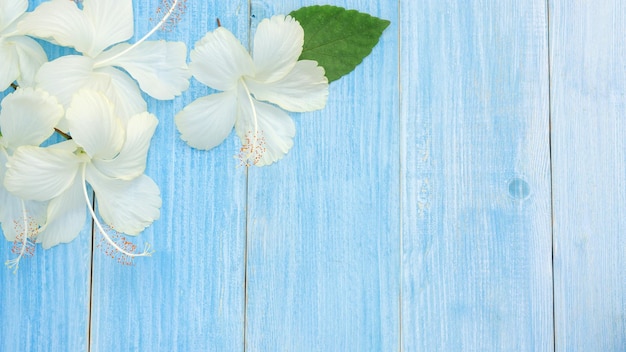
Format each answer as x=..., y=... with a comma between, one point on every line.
x=338, y=39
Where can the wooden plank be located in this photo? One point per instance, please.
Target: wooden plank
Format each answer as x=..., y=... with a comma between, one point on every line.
x=588, y=82
x=190, y=295
x=323, y=225
x=476, y=243
x=45, y=305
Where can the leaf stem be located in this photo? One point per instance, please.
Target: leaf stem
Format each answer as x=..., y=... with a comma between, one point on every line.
x=63, y=134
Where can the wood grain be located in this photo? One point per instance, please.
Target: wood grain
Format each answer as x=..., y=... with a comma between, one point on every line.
x=45, y=305
x=190, y=295
x=323, y=223
x=476, y=240
x=588, y=77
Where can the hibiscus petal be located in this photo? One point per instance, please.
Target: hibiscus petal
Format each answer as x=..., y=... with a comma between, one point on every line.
x=123, y=93
x=11, y=212
x=28, y=117
x=160, y=67
x=65, y=218
x=112, y=21
x=206, y=122
x=94, y=126
x=9, y=70
x=131, y=161
x=30, y=57
x=61, y=22
x=65, y=76
x=277, y=46
x=35, y=173
x=126, y=206
x=305, y=88
x=10, y=10
x=219, y=60
x=274, y=127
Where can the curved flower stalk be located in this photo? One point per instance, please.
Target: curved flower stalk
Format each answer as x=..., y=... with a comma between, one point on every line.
x=27, y=118
x=273, y=75
x=159, y=67
x=20, y=56
x=105, y=151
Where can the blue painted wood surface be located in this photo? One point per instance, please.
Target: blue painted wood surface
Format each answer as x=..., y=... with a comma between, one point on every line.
x=323, y=224
x=476, y=230
x=415, y=212
x=189, y=295
x=588, y=74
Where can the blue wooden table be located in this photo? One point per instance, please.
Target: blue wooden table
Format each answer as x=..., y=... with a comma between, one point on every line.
x=463, y=190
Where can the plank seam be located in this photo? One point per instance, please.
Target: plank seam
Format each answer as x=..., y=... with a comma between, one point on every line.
x=247, y=219
x=91, y=264
x=400, y=183
x=548, y=15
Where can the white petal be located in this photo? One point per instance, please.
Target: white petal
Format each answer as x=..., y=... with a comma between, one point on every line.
x=35, y=173
x=126, y=206
x=61, y=22
x=10, y=69
x=206, y=122
x=305, y=88
x=219, y=60
x=30, y=57
x=123, y=93
x=274, y=126
x=10, y=205
x=112, y=21
x=10, y=10
x=65, y=218
x=160, y=67
x=131, y=161
x=277, y=46
x=28, y=117
x=65, y=76
x=94, y=126
x=11, y=210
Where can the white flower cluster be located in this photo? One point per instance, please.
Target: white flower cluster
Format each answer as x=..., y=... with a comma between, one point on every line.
x=99, y=110
x=97, y=107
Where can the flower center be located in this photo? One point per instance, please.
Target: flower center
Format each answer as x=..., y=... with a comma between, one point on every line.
x=253, y=146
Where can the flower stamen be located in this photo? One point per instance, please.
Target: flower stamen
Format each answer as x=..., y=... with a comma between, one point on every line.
x=174, y=17
x=123, y=249
x=113, y=253
x=143, y=39
x=22, y=246
x=253, y=148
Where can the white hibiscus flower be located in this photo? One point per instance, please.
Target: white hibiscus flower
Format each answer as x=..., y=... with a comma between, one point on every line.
x=273, y=74
x=27, y=117
x=20, y=56
x=106, y=152
x=159, y=67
